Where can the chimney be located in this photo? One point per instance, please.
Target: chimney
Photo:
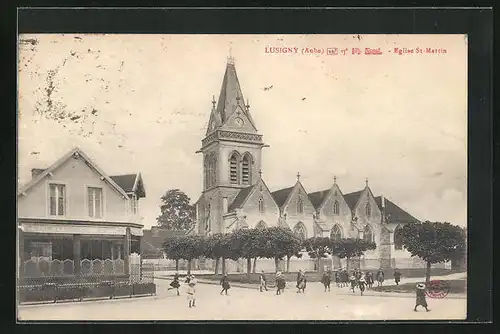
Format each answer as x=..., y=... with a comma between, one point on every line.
x=36, y=171
x=383, y=201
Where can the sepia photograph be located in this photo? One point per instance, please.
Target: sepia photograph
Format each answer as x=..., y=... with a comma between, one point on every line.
x=242, y=177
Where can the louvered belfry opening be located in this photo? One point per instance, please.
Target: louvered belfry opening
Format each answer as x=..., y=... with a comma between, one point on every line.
x=246, y=169
x=233, y=167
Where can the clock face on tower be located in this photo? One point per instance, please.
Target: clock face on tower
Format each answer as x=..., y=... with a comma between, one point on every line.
x=238, y=122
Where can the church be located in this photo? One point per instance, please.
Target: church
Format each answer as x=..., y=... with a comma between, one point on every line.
x=235, y=194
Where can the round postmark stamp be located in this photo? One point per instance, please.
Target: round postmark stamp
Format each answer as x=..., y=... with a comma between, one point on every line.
x=437, y=289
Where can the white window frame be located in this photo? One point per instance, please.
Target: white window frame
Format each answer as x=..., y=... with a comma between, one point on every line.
x=65, y=199
x=87, y=193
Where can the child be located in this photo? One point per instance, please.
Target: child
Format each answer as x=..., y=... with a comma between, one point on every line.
x=175, y=283
x=337, y=278
x=280, y=283
x=380, y=277
x=420, y=292
x=225, y=284
x=352, y=279
x=326, y=279
x=263, y=281
x=301, y=286
x=397, y=276
x=361, y=284
x=192, y=291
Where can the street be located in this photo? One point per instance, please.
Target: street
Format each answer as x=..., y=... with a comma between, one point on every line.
x=250, y=304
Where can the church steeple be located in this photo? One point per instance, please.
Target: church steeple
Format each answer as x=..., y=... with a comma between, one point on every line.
x=231, y=101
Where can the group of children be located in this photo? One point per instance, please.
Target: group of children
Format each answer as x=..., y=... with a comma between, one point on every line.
x=356, y=279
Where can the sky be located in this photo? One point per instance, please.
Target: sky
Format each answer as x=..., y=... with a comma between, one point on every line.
x=141, y=103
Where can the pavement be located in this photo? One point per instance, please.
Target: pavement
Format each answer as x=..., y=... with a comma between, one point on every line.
x=250, y=304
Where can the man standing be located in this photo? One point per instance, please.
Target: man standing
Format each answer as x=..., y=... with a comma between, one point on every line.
x=420, y=292
x=280, y=283
x=397, y=276
x=263, y=281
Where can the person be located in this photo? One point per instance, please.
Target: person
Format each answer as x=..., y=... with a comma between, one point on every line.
x=326, y=279
x=397, y=276
x=301, y=285
x=192, y=291
x=280, y=283
x=369, y=279
x=175, y=284
x=299, y=277
x=225, y=284
x=361, y=284
x=420, y=292
x=337, y=278
x=380, y=277
x=263, y=281
x=352, y=279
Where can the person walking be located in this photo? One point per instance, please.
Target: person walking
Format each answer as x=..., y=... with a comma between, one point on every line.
x=352, y=279
x=380, y=277
x=224, y=282
x=299, y=277
x=301, y=285
x=326, y=279
x=192, y=291
x=280, y=283
x=175, y=284
x=420, y=292
x=369, y=279
x=362, y=284
x=337, y=278
x=397, y=276
x=263, y=281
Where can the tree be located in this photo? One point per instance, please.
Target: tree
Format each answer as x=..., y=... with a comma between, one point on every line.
x=244, y=243
x=279, y=243
x=176, y=212
x=433, y=242
x=187, y=247
x=317, y=248
x=214, y=249
x=350, y=248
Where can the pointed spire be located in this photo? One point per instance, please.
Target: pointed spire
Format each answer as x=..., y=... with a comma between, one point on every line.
x=298, y=176
x=334, y=179
x=213, y=101
x=248, y=104
x=366, y=182
x=260, y=173
x=383, y=200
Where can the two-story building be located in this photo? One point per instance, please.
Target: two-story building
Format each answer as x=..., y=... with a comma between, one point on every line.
x=73, y=211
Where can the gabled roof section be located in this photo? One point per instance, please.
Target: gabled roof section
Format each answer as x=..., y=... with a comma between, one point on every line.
x=242, y=196
x=393, y=213
x=77, y=152
x=352, y=198
x=230, y=98
x=280, y=196
x=318, y=197
x=130, y=183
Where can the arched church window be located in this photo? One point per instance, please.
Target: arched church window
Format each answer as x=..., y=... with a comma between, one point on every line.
x=261, y=205
x=398, y=238
x=233, y=168
x=336, y=208
x=300, y=230
x=368, y=210
x=205, y=165
x=261, y=225
x=368, y=234
x=246, y=172
x=336, y=233
x=300, y=206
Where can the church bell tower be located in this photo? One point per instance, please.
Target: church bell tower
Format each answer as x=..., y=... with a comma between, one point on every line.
x=232, y=152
